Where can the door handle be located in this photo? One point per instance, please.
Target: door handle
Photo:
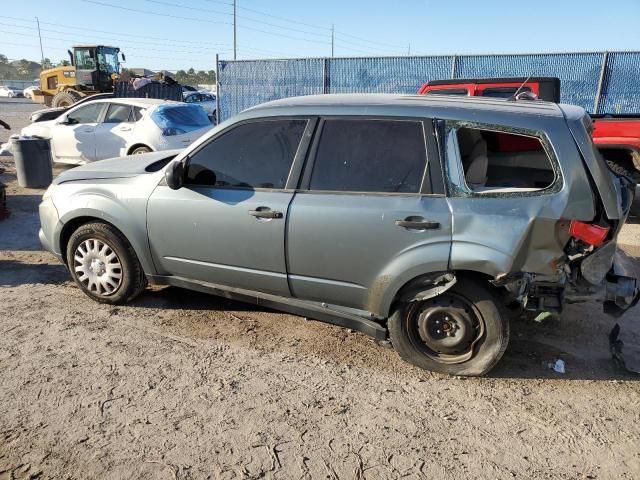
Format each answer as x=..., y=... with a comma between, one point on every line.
x=124, y=129
x=415, y=224
x=265, y=212
x=89, y=130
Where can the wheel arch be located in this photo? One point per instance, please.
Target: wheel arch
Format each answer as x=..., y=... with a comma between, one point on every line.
x=428, y=285
x=136, y=238
x=137, y=145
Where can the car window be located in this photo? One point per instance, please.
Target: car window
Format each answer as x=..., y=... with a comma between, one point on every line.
x=117, y=113
x=136, y=114
x=448, y=91
x=503, y=92
x=86, y=114
x=494, y=161
x=207, y=98
x=253, y=155
x=190, y=99
x=370, y=156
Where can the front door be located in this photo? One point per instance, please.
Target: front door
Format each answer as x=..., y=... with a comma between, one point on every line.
x=226, y=226
x=366, y=214
x=73, y=140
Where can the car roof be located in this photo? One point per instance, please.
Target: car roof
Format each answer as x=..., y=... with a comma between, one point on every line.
x=138, y=102
x=437, y=102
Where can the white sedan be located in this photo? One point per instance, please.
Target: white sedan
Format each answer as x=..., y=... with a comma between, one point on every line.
x=108, y=128
x=205, y=100
x=28, y=92
x=10, y=92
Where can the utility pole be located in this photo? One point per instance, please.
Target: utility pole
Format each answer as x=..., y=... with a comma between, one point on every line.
x=332, y=35
x=41, y=50
x=234, y=30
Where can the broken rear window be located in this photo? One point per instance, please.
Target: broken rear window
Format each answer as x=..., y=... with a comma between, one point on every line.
x=495, y=162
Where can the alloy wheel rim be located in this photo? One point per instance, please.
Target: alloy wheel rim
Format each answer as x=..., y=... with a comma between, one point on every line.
x=98, y=267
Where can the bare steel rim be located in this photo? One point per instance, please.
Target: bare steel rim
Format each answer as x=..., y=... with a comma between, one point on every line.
x=98, y=267
x=445, y=328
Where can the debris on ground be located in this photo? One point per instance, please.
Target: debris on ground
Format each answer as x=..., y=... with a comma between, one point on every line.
x=558, y=366
x=625, y=348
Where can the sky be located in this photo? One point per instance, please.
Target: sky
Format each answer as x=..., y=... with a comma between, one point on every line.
x=179, y=34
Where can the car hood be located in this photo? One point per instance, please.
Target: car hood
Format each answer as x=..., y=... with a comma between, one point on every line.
x=120, y=167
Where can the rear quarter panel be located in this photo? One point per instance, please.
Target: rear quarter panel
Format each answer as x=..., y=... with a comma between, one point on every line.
x=506, y=233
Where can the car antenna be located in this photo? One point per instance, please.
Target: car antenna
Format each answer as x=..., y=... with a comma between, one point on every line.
x=513, y=97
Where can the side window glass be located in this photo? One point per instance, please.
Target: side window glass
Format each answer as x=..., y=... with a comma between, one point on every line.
x=253, y=155
x=190, y=99
x=448, y=91
x=503, y=92
x=87, y=114
x=370, y=156
x=136, y=114
x=118, y=113
x=495, y=161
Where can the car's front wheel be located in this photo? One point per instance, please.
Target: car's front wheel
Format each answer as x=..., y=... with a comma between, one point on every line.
x=460, y=332
x=103, y=264
x=141, y=150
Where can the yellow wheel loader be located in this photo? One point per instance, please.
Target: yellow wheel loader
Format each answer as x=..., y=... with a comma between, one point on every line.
x=94, y=69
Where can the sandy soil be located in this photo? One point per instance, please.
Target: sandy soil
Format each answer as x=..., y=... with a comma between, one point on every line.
x=180, y=385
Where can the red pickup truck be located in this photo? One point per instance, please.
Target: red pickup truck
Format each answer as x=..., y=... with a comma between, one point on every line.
x=616, y=136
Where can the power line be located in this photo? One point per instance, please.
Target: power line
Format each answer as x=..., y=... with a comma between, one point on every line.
x=370, y=41
x=326, y=29
x=55, y=39
x=235, y=21
x=187, y=7
x=76, y=38
x=93, y=30
x=154, y=13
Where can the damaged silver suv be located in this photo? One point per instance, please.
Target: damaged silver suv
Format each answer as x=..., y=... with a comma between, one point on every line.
x=410, y=218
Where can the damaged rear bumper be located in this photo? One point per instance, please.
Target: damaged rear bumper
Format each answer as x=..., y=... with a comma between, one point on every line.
x=608, y=276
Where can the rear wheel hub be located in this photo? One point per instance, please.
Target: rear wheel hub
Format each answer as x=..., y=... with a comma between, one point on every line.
x=445, y=328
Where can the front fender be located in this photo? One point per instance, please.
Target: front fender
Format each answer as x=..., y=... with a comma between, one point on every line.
x=128, y=216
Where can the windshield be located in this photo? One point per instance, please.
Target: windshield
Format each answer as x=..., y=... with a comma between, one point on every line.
x=108, y=60
x=184, y=117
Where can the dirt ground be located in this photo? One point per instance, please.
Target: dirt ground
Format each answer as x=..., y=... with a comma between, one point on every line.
x=180, y=385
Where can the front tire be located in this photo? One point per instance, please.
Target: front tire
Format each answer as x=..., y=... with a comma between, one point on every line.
x=104, y=265
x=141, y=150
x=463, y=331
x=65, y=98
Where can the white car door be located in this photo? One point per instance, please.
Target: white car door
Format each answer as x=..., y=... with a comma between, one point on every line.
x=114, y=132
x=73, y=137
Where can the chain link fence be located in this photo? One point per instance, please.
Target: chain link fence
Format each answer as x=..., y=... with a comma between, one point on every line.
x=600, y=82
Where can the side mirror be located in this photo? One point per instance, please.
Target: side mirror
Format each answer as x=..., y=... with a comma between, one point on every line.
x=174, y=175
x=63, y=120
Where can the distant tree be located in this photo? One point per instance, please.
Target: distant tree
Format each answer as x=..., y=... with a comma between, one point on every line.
x=64, y=63
x=3, y=59
x=46, y=63
x=24, y=67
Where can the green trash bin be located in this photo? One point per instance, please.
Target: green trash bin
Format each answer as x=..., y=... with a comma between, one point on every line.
x=34, y=166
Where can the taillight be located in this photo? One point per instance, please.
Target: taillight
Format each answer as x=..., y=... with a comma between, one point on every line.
x=588, y=233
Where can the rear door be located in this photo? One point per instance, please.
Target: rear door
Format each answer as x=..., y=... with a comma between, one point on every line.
x=366, y=213
x=114, y=132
